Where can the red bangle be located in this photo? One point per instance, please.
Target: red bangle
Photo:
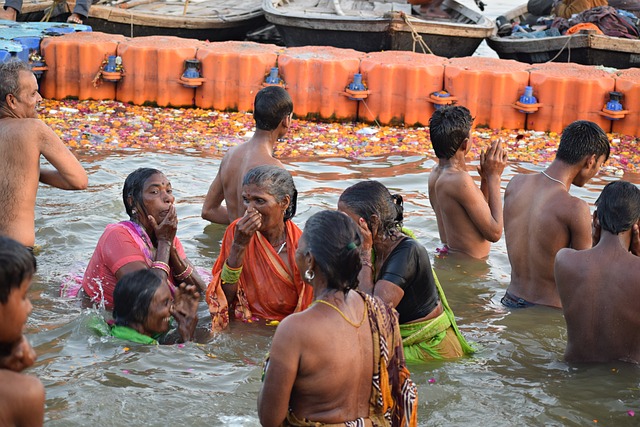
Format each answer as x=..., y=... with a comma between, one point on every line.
x=162, y=266
x=185, y=274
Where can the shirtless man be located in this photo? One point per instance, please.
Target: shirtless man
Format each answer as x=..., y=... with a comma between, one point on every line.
x=272, y=111
x=469, y=218
x=541, y=217
x=23, y=138
x=599, y=288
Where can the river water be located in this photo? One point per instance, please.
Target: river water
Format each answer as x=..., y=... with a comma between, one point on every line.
x=517, y=377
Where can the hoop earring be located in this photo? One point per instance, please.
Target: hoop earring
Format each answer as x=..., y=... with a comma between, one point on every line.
x=309, y=275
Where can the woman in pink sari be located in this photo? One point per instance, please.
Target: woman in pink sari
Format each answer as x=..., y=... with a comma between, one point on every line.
x=146, y=241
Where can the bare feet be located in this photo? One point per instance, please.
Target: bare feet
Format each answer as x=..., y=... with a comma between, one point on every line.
x=74, y=18
x=9, y=13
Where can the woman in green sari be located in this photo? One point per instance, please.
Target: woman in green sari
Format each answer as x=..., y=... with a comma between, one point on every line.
x=396, y=268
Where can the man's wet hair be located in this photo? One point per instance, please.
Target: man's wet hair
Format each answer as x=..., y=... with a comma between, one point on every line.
x=17, y=264
x=618, y=206
x=580, y=139
x=132, y=296
x=272, y=105
x=334, y=241
x=368, y=198
x=133, y=188
x=276, y=181
x=10, y=78
x=449, y=126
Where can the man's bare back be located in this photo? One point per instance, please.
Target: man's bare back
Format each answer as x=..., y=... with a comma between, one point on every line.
x=541, y=218
x=23, y=139
x=469, y=217
x=600, y=287
x=273, y=111
x=467, y=221
x=227, y=184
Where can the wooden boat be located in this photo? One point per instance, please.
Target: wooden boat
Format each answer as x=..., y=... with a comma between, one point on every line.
x=374, y=25
x=585, y=48
x=213, y=20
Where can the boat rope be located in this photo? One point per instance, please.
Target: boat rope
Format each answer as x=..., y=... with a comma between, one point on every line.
x=49, y=11
x=567, y=43
x=417, y=38
x=370, y=112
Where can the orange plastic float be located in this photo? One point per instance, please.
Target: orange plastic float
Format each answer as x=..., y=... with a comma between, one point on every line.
x=74, y=61
x=400, y=84
x=488, y=87
x=569, y=92
x=153, y=67
x=628, y=83
x=233, y=72
x=316, y=78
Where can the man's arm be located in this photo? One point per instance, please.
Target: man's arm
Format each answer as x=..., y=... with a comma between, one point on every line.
x=212, y=209
x=579, y=223
x=484, y=204
x=485, y=216
x=68, y=173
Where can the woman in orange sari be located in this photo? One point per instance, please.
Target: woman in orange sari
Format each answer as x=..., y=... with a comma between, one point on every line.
x=256, y=274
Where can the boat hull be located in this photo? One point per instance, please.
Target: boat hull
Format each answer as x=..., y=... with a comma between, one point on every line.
x=214, y=32
x=585, y=49
x=394, y=31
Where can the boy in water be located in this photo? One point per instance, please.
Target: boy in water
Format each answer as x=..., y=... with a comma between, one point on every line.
x=21, y=396
x=272, y=110
x=599, y=288
x=541, y=217
x=469, y=218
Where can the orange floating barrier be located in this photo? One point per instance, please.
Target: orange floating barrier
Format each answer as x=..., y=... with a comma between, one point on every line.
x=153, y=66
x=316, y=78
x=400, y=84
x=74, y=60
x=628, y=83
x=233, y=73
x=488, y=87
x=569, y=92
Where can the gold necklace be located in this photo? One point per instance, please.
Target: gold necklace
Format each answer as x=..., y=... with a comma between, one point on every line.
x=355, y=325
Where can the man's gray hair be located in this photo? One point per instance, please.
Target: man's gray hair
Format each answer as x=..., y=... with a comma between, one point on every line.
x=10, y=78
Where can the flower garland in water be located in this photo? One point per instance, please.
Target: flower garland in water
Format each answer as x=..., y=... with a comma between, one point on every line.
x=102, y=126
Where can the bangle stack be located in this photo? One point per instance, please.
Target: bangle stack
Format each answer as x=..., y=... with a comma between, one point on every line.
x=162, y=266
x=185, y=274
x=230, y=276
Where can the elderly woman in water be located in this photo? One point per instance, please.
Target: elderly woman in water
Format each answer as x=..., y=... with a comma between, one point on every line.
x=255, y=274
x=396, y=268
x=339, y=362
x=146, y=241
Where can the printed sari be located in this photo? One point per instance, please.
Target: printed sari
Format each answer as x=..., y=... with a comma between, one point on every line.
x=267, y=288
x=394, y=396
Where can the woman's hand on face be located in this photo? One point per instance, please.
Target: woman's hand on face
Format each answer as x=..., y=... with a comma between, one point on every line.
x=22, y=356
x=185, y=310
x=168, y=227
x=367, y=238
x=247, y=227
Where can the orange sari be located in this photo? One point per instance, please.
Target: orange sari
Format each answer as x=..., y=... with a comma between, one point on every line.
x=266, y=289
